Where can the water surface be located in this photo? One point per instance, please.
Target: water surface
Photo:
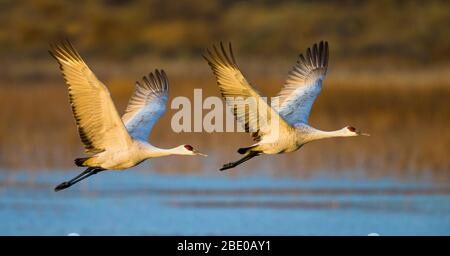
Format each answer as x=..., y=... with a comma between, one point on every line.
x=142, y=203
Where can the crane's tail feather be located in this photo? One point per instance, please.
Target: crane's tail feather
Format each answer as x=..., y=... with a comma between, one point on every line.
x=80, y=161
x=245, y=150
x=249, y=156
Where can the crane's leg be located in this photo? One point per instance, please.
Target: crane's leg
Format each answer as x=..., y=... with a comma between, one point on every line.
x=240, y=161
x=86, y=173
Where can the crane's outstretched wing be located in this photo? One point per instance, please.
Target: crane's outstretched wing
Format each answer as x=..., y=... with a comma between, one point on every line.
x=99, y=124
x=248, y=107
x=147, y=105
x=303, y=84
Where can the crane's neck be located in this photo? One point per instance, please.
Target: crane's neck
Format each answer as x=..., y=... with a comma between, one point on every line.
x=152, y=151
x=315, y=134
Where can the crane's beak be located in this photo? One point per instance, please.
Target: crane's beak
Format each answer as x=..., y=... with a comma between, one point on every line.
x=199, y=154
x=362, y=133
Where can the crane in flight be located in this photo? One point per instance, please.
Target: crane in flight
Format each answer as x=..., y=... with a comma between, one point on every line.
x=113, y=143
x=284, y=127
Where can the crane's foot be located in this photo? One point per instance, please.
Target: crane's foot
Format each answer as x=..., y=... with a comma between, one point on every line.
x=62, y=186
x=240, y=161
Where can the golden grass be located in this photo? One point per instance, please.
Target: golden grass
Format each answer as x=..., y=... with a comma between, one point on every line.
x=406, y=112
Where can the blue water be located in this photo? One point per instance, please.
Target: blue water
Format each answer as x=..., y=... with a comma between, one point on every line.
x=142, y=203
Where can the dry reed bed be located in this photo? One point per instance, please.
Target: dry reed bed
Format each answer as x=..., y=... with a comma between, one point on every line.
x=408, y=118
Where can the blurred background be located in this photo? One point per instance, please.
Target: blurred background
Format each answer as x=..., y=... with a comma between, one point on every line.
x=389, y=75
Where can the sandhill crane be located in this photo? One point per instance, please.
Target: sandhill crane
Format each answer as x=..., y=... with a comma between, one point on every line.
x=291, y=131
x=114, y=143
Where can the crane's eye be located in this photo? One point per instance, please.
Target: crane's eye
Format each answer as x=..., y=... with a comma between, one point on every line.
x=351, y=128
x=188, y=147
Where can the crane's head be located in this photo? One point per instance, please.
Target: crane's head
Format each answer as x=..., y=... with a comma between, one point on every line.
x=189, y=150
x=352, y=131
